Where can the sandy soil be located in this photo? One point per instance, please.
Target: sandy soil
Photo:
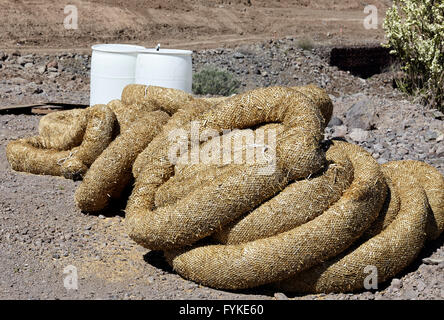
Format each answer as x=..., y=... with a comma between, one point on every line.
x=196, y=24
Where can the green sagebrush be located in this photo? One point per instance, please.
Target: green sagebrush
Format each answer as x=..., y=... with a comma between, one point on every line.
x=214, y=81
x=306, y=44
x=415, y=33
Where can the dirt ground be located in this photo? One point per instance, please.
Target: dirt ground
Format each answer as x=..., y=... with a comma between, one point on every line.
x=41, y=230
x=196, y=24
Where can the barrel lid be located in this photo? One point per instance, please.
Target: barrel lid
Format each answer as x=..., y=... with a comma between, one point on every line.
x=117, y=48
x=174, y=52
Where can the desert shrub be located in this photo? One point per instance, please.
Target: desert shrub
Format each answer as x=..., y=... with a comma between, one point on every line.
x=305, y=44
x=211, y=80
x=415, y=33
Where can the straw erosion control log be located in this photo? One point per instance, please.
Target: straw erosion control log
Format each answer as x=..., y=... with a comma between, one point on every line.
x=312, y=222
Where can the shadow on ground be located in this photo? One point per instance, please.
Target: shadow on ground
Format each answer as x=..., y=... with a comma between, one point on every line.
x=157, y=260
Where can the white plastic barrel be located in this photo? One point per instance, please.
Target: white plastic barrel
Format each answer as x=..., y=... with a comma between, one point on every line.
x=167, y=68
x=112, y=68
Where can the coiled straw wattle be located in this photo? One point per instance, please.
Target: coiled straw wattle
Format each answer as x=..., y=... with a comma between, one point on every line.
x=313, y=223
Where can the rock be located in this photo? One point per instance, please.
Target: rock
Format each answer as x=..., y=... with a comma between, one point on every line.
x=411, y=294
x=335, y=121
x=431, y=135
x=420, y=285
x=431, y=261
x=396, y=284
x=435, y=114
x=359, y=135
x=38, y=90
x=28, y=65
x=425, y=270
x=361, y=115
x=379, y=148
x=339, y=131
x=41, y=69
x=52, y=75
x=440, y=150
x=238, y=55
x=379, y=296
x=23, y=60
x=403, y=151
x=52, y=64
x=280, y=296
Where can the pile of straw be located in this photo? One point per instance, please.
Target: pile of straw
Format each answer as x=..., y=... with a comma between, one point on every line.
x=314, y=223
